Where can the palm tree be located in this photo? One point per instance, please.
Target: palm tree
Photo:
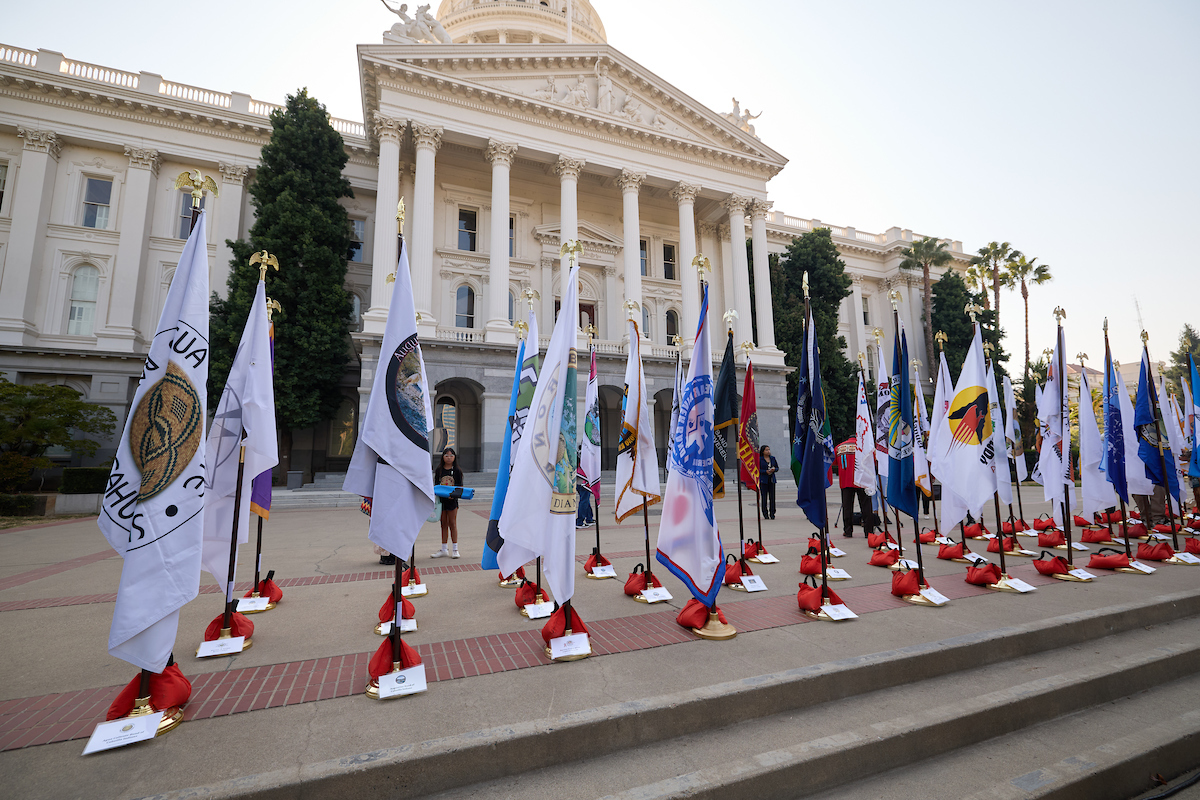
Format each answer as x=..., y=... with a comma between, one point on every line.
x=923, y=255
x=1023, y=271
x=989, y=260
x=976, y=282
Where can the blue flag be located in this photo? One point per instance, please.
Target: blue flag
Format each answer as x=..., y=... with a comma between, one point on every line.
x=1194, y=463
x=494, y=539
x=814, y=441
x=1149, y=443
x=902, y=483
x=1113, y=462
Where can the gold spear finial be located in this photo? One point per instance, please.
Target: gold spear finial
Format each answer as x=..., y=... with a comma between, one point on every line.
x=702, y=265
x=571, y=247
x=531, y=296
x=522, y=328
x=265, y=261
x=272, y=305
x=862, y=360
x=878, y=334
x=1145, y=337
x=746, y=347
x=1082, y=357
x=391, y=277
x=1059, y=314
x=988, y=347
x=1048, y=353
x=972, y=310
x=804, y=284
x=676, y=339
x=1106, y=324
x=729, y=316
x=894, y=296
x=941, y=338
x=916, y=364
x=630, y=307
x=400, y=212
x=418, y=317
x=197, y=183
x=590, y=330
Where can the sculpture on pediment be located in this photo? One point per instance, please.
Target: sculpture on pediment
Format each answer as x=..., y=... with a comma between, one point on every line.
x=633, y=110
x=547, y=92
x=742, y=120
x=578, y=95
x=429, y=24
x=422, y=27
x=604, y=92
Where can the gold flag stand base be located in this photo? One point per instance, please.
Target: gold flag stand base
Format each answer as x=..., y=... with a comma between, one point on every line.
x=600, y=577
x=512, y=582
x=821, y=615
x=1073, y=578
x=962, y=561
x=172, y=717
x=755, y=560
x=737, y=587
x=255, y=596
x=919, y=600
x=412, y=585
x=829, y=577
x=247, y=643
x=1061, y=547
x=577, y=656
x=715, y=629
x=1175, y=560
x=373, y=684
x=1003, y=586
x=537, y=600
x=1130, y=571
x=1022, y=553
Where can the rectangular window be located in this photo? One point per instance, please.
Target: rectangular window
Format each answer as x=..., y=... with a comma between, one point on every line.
x=512, y=237
x=669, y=262
x=866, y=313
x=3, y=182
x=358, y=230
x=85, y=286
x=97, y=194
x=185, y=213
x=645, y=256
x=468, y=226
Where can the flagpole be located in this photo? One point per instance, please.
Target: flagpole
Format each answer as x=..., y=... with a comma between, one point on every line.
x=264, y=260
x=227, y=620
x=737, y=476
x=883, y=507
x=1162, y=459
x=1059, y=313
x=988, y=347
x=746, y=348
x=591, y=331
x=1108, y=371
x=823, y=532
x=894, y=297
x=939, y=337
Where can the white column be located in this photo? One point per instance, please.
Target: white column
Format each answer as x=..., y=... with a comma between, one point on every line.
x=728, y=296
x=916, y=327
x=498, y=328
x=32, y=194
x=716, y=291
x=765, y=313
x=546, y=314
x=857, y=324
x=119, y=332
x=427, y=139
x=736, y=206
x=228, y=222
x=568, y=170
x=631, y=183
x=613, y=330
x=684, y=195
x=384, y=247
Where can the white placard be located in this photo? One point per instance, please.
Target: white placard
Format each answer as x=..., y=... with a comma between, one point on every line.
x=1078, y=546
x=1162, y=537
x=839, y=611
x=837, y=552
x=1140, y=567
x=1118, y=540
x=539, y=610
x=1187, y=558
x=989, y=535
x=661, y=595
x=253, y=604
x=409, y=591
x=753, y=583
x=1020, y=585
x=406, y=626
x=406, y=681
x=893, y=546
x=837, y=574
x=221, y=647
x=934, y=596
x=1082, y=574
x=907, y=563
x=121, y=732
x=767, y=558
x=974, y=558
x=943, y=540
x=608, y=571
x=574, y=645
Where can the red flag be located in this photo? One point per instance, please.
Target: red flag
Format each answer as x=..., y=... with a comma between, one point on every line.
x=747, y=447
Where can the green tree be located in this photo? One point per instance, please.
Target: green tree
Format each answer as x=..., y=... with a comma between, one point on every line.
x=950, y=298
x=1022, y=271
x=35, y=418
x=828, y=285
x=991, y=260
x=298, y=220
x=924, y=255
x=1189, y=342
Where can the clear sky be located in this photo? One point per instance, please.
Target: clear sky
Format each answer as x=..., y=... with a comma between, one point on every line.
x=1069, y=129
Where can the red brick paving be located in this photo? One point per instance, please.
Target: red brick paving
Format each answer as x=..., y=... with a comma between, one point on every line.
x=30, y=721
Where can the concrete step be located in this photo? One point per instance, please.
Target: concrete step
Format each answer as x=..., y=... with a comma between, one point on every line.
x=792, y=733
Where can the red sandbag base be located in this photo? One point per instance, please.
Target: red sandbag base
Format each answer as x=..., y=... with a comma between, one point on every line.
x=168, y=689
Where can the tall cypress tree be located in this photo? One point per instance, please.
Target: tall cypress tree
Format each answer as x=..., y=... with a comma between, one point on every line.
x=950, y=298
x=828, y=285
x=298, y=220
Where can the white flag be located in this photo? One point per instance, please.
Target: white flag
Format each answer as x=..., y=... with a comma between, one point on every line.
x=1056, y=437
x=637, y=460
x=1172, y=421
x=864, y=443
x=883, y=402
x=245, y=415
x=1098, y=493
x=153, y=512
x=542, y=521
x=589, y=456
x=920, y=460
x=967, y=426
x=1135, y=471
x=391, y=461
x=997, y=452
x=1012, y=431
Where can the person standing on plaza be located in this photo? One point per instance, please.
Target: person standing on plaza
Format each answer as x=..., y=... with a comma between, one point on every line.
x=850, y=490
x=767, y=467
x=447, y=473
x=584, y=517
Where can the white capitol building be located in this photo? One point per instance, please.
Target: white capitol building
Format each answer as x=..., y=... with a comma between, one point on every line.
x=507, y=128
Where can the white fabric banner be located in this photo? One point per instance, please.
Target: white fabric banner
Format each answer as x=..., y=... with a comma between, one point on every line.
x=1097, y=493
x=864, y=443
x=637, y=459
x=964, y=433
x=997, y=453
x=1012, y=431
x=1056, y=437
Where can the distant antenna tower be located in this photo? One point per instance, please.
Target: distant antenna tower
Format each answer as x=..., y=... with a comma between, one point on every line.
x=1138, y=306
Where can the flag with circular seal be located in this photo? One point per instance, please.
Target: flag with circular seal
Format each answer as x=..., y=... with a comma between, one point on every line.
x=152, y=512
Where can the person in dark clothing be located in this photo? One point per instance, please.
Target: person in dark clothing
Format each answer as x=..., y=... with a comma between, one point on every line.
x=767, y=467
x=845, y=465
x=448, y=474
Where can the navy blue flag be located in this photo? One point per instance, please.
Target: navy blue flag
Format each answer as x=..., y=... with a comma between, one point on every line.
x=902, y=482
x=1149, y=443
x=1190, y=413
x=1114, y=433
x=813, y=437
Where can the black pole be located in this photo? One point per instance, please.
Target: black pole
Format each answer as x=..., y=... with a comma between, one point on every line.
x=258, y=559
x=538, y=583
x=1066, y=445
x=1124, y=516
x=646, y=525
x=741, y=524
x=1162, y=458
x=398, y=599
x=1017, y=482
x=597, y=517
x=1125, y=529
x=1000, y=534
x=233, y=536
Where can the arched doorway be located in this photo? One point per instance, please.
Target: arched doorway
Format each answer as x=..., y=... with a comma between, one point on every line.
x=662, y=424
x=610, y=424
x=457, y=421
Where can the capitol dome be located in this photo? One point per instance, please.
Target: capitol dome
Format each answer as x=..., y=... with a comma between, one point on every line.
x=520, y=21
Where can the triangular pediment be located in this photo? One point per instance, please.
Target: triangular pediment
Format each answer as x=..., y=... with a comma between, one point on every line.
x=594, y=239
x=591, y=86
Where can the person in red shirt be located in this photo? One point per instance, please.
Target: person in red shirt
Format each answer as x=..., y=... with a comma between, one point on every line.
x=845, y=465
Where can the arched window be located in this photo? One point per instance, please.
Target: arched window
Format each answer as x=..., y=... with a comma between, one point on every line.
x=645, y=321
x=512, y=308
x=85, y=285
x=672, y=325
x=464, y=310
